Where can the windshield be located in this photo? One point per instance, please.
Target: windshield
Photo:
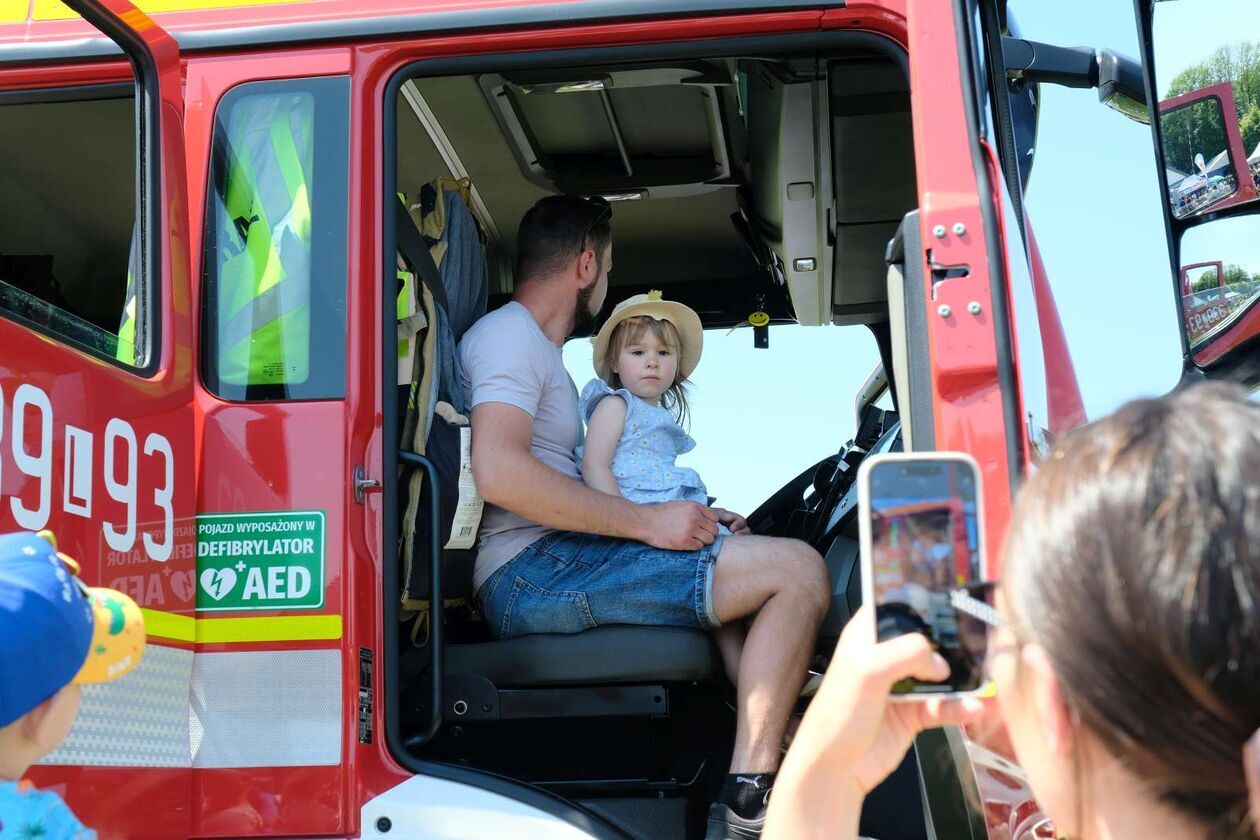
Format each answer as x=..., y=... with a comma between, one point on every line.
x=761, y=417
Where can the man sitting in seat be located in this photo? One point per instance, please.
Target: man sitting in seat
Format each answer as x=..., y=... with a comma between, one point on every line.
x=556, y=556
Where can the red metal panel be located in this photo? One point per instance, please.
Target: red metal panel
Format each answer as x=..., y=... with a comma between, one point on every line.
x=264, y=457
x=88, y=393
x=967, y=398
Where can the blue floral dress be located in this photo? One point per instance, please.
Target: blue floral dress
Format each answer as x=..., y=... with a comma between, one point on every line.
x=643, y=465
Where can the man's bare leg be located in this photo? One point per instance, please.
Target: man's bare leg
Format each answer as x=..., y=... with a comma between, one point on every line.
x=730, y=643
x=782, y=586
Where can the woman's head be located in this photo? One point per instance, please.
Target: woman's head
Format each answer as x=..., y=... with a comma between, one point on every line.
x=643, y=356
x=1131, y=578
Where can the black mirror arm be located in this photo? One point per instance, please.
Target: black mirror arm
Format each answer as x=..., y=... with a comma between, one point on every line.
x=1118, y=78
x=1033, y=61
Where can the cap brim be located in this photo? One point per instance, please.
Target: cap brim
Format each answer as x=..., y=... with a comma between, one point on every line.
x=118, y=637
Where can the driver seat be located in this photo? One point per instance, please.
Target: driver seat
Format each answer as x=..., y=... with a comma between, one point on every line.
x=610, y=654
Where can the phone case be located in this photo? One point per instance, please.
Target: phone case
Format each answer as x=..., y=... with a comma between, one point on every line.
x=865, y=561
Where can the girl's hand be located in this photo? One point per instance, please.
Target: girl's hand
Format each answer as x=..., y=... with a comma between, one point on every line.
x=733, y=521
x=852, y=737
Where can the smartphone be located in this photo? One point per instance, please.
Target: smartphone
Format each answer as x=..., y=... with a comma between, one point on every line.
x=922, y=550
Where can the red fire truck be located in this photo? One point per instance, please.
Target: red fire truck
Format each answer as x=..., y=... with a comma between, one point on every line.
x=214, y=320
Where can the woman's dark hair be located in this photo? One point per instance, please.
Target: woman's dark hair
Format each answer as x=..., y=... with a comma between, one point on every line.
x=558, y=228
x=1134, y=561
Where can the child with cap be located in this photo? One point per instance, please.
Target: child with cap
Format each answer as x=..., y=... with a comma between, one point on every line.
x=643, y=355
x=55, y=635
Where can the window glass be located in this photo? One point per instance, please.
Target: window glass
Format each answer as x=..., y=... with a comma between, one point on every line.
x=68, y=265
x=275, y=280
x=761, y=417
x=885, y=401
x=1093, y=204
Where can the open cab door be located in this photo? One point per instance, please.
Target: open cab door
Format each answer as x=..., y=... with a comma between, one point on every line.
x=96, y=422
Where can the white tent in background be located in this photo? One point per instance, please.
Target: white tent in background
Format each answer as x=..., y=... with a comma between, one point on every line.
x=1187, y=185
x=1219, y=162
x=1255, y=155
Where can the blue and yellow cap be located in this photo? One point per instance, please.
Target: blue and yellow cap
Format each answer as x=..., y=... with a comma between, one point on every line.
x=54, y=630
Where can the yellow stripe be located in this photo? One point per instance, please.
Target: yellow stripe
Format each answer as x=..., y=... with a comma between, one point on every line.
x=14, y=11
x=306, y=628
x=56, y=10
x=182, y=628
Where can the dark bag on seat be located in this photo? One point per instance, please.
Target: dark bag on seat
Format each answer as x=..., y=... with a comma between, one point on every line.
x=443, y=449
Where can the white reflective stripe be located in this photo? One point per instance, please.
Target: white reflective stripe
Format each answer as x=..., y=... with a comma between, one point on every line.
x=435, y=809
x=266, y=709
x=140, y=720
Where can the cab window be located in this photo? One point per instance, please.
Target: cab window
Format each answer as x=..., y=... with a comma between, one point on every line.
x=69, y=263
x=274, y=325
x=794, y=404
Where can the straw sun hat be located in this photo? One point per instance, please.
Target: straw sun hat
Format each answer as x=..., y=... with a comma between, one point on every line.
x=684, y=319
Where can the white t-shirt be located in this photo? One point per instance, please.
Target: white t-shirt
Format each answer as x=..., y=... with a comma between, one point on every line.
x=507, y=358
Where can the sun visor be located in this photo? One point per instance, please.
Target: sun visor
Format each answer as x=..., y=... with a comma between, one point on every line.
x=629, y=133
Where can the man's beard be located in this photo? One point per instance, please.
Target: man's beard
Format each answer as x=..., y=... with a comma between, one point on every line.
x=583, y=317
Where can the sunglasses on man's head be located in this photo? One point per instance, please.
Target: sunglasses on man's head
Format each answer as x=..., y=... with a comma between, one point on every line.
x=603, y=208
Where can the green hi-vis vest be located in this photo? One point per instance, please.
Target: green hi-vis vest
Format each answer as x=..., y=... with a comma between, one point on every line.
x=126, y=350
x=264, y=225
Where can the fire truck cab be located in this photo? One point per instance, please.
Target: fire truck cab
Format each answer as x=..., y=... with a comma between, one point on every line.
x=238, y=242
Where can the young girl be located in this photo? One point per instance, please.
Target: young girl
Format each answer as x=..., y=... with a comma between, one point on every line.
x=643, y=356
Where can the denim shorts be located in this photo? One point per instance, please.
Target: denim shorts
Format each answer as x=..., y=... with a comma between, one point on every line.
x=568, y=582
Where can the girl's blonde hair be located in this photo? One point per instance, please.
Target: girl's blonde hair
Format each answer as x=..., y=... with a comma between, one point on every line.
x=632, y=330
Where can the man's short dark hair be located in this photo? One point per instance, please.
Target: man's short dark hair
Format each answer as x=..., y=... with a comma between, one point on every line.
x=558, y=228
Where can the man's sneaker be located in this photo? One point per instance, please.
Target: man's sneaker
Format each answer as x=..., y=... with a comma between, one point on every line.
x=725, y=824
x=812, y=682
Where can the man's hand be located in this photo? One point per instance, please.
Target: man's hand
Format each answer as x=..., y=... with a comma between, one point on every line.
x=733, y=521
x=679, y=526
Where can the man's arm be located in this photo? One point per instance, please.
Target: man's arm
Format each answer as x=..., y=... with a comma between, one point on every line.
x=603, y=433
x=508, y=475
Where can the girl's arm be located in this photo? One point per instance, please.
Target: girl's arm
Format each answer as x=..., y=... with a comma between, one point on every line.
x=603, y=432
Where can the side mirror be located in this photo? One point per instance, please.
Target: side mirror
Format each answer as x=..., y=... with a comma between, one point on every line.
x=1121, y=86
x=1118, y=78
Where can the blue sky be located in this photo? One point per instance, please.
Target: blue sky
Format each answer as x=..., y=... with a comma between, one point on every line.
x=1187, y=31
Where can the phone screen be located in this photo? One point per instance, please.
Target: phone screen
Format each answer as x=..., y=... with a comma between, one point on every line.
x=925, y=548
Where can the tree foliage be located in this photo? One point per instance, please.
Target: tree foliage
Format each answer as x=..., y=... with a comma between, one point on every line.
x=1199, y=128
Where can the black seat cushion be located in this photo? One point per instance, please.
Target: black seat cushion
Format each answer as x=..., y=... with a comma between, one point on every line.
x=611, y=654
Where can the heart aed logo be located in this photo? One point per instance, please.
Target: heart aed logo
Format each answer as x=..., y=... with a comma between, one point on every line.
x=218, y=583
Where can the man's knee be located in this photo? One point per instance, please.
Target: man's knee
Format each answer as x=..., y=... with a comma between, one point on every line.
x=808, y=573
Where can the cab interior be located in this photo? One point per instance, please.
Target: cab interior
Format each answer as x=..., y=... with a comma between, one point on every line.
x=771, y=180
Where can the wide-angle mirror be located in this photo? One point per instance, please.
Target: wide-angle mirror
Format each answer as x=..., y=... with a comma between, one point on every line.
x=1207, y=81
x=1207, y=74
x=1220, y=282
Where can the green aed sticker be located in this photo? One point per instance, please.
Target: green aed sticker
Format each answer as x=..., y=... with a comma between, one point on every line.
x=260, y=561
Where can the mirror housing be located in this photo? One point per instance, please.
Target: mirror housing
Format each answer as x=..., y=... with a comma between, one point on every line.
x=1121, y=86
x=1118, y=78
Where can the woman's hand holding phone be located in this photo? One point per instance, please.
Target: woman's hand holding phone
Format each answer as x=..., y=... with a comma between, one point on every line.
x=852, y=737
